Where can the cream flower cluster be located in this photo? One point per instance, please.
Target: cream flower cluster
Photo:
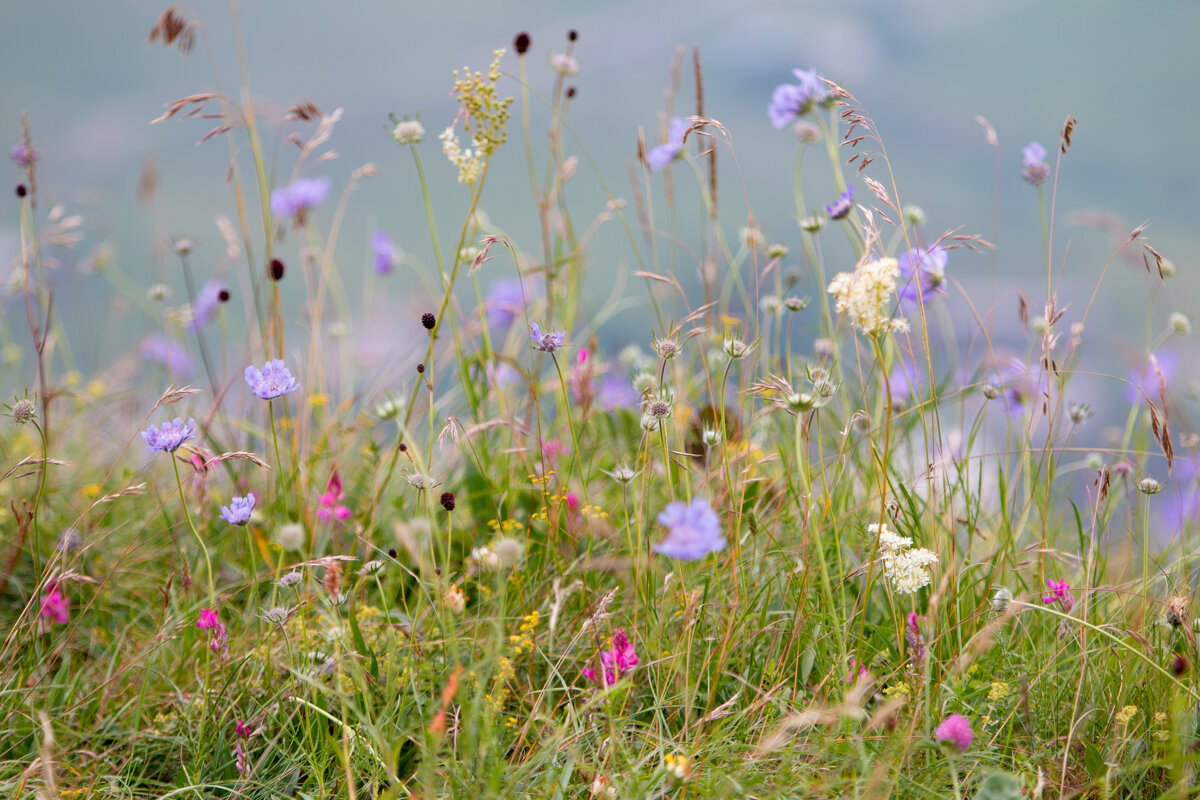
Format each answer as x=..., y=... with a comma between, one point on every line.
x=468, y=161
x=866, y=296
x=906, y=567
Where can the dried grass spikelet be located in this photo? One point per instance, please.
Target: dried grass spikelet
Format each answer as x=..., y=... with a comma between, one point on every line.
x=175, y=30
x=815, y=715
x=306, y=111
x=173, y=395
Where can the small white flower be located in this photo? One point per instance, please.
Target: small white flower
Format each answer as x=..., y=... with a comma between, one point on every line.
x=408, y=132
x=906, y=567
x=290, y=537
x=563, y=64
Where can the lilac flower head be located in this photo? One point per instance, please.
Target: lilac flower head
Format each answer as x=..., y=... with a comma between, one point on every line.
x=238, y=510
x=273, y=380
x=1151, y=381
x=547, y=341
x=616, y=661
x=616, y=392
x=168, y=352
x=693, y=530
x=168, y=436
x=299, y=195
x=22, y=156
x=1182, y=505
x=1036, y=169
x=1023, y=386
x=207, y=303
x=955, y=730
x=664, y=154
x=385, y=251
x=505, y=300
x=790, y=101
x=842, y=207
x=931, y=263
x=1060, y=593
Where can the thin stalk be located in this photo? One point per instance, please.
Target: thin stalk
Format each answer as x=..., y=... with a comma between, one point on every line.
x=212, y=594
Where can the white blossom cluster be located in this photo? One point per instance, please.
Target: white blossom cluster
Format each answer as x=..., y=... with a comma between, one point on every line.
x=469, y=161
x=905, y=566
x=865, y=295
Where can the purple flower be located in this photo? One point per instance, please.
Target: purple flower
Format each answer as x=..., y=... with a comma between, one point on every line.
x=385, y=252
x=299, y=195
x=1152, y=380
x=1023, y=386
x=791, y=101
x=842, y=207
x=168, y=352
x=1182, y=505
x=548, y=341
x=238, y=510
x=955, y=730
x=664, y=154
x=616, y=661
x=930, y=262
x=55, y=607
x=272, y=381
x=616, y=392
x=22, y=156
x=1060, y=593
x=168, y=436
x=218, y=640
x=693, y=530
x=1036, y=169
x=505, y=301
x=901, y=380
x=207, y=303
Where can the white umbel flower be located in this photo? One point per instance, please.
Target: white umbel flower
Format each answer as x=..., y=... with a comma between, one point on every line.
x=865, y=296
x=905, y=566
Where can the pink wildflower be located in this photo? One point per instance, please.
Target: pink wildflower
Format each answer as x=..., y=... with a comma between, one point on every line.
x=955, y=730
x=218, y=638
x=616, y=661
x=242, y=730
x=329, y=506
x=1060, y=594
x=54, y=606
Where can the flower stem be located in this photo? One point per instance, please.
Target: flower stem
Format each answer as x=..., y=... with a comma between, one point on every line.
x=212, y=594
x=278, y=459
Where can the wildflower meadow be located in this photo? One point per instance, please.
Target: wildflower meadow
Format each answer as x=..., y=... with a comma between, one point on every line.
x=740, y=513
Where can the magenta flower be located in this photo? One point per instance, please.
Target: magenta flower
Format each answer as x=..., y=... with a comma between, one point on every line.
x=238, y=511
x=546, y=341
x=841, y=208
x=955, y=730
x=272, y=381
x=170, y=435
x=693, y=530
x=385, y=252
x=1060, y=593
x=616, y=661
x=299, y=196
x=55, y=607
x=1036, y=169
x=329, y=506
x=664, y=154
x=218, y=638
x=242, y=730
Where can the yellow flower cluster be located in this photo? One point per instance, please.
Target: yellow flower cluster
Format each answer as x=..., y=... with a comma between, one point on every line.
x=485, y=117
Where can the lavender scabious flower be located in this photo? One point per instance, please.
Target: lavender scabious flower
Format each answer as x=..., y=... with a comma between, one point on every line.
x=955, y=730
x=299, y=195
x=616, y=661
x=1060, y=593
x=841, y=208
x=930, y=262
x=1023, y=386
x=273, y=380
x=664, y=154
x=547, y=341
x=238, y=510
x=168, y=436
x=693, y=530
x=1036, y=169
x=22, y=156
x=385, y=252
x=790, y=101
x=168, y=352
x=1151, y=381
x=207, y=303
x=506, y=300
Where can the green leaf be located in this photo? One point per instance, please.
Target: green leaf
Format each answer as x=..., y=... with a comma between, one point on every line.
x=999, y=786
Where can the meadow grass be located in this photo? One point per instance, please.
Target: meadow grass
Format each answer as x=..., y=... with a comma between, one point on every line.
x=799, y=535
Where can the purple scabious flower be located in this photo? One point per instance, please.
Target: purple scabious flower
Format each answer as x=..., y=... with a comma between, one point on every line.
x=1060, y=594
x=1152, y=379
x=547, y=341
x=841, y=208
x=238, y=510
x=1023, y=386
x=168, y=352
x=22, y=156
x=664, y=154
x=955, y=730
x=385, y=252
x=299, y=195
x=505, y=301
x=901, y=381
x=616, y=392
x=930, y=262
x=1182, y=505
x=693, y=530
x=1036, y=169
x=616, y=661
x=168, y=436
x=207, y=302
x=273, y=380
x=790, y=101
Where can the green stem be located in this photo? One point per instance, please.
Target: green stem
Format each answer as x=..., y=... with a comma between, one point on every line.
x=571, y=425
x=278, y=459
x=212, y=594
